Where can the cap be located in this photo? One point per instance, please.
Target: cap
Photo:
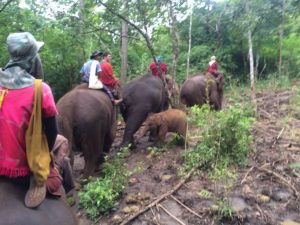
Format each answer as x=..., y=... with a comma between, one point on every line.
x=23, y=44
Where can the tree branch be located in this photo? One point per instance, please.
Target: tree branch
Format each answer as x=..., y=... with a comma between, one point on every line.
x=5, y=5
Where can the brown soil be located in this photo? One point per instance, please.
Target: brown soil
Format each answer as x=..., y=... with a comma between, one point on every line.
x=265, y=191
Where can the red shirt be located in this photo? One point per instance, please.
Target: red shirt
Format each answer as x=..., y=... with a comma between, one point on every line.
x=155, y=71
x=107, y=75
x=15, y=116
x=212, y=67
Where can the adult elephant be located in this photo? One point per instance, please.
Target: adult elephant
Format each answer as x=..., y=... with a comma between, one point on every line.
x=201, y=89
x=87, y=119
x=140, y=97
x=13, y=211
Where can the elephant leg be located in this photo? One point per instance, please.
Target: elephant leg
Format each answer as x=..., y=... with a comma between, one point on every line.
x=214, y=100
x=92, y=143
x=134, y=121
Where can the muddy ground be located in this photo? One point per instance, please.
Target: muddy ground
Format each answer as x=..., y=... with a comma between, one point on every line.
x=265, y=191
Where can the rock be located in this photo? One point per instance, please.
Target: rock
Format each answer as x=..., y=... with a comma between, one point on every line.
x=144, y=196
x=281, y=196
x=289, y=222
x=130, y=209
x=117, y=219
x=131, y=199
x=238, y=204
x=132, y=181
x=166, y=177
x=247, y=189
x=262, y=198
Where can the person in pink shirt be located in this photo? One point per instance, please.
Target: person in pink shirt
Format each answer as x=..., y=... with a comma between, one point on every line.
x=163, y=67
x=16, y=106
x=213, y=66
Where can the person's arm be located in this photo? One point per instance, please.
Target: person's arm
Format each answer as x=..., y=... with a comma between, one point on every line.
x=50, y=129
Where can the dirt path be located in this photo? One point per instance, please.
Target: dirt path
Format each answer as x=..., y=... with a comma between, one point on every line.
x=265, y=191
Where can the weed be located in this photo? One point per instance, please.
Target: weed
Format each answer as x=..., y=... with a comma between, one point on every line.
x=205, y=194
x=225, y=138
x=156, y=150
x=224, y=210
x=99, y=196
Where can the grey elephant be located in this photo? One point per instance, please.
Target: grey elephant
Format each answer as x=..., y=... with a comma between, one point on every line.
x=201, y=89
x=87, y=119
x=13, y=211
x=142, y=96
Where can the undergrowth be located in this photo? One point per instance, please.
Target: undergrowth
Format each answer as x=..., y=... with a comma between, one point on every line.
x=225, y=138
x=100, y=195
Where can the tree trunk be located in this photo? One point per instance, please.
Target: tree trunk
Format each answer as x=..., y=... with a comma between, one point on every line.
x=174, y=36
x=281, y=38
x=124, y=47
x=190, y=42
x=252, y=79
x=81, y=27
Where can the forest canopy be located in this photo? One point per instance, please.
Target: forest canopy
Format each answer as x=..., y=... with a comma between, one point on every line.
x=141, y=30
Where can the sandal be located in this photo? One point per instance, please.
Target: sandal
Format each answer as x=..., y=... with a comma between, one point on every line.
x=35, y=194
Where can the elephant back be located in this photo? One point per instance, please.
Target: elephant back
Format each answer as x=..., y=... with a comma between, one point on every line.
x=13, y=210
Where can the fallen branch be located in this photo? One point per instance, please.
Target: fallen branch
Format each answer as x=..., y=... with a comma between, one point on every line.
x=247, y=174
x=284, y=181
x=126, y=221
x=276, y=139
x=183, y=205
x=170, y=214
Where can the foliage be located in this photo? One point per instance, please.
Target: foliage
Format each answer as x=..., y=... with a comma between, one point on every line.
x=225, y=137
x=100, y=195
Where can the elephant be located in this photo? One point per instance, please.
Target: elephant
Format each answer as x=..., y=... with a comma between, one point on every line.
x=201, y=89
x=87, y=118
x=142, y=96
x=159, y=124
x=13, y=211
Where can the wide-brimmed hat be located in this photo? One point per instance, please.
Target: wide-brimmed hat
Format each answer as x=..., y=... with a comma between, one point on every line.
x=96, y=53
x=22, y=45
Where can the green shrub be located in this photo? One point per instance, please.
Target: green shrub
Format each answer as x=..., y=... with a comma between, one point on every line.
x=100, y=195
x=225, y=137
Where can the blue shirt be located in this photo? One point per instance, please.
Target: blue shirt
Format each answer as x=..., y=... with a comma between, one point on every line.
x=85, y=70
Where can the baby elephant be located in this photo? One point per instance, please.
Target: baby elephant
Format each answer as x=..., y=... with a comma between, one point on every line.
x=171, y=120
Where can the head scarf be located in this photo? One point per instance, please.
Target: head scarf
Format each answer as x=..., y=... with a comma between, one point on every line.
x=24, y=61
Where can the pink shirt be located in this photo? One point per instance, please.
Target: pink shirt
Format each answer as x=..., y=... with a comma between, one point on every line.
x=15, y=115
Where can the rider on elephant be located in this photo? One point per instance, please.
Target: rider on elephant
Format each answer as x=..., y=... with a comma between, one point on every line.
x=107, y=76
x=17, y=97
x=163, y=67
x=86, y=70
x=213, y=67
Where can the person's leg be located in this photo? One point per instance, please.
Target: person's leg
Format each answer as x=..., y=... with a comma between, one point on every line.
x=110, y=95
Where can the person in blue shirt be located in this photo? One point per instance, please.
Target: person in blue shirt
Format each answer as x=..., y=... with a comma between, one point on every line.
x=86, y=68
x=85, y=74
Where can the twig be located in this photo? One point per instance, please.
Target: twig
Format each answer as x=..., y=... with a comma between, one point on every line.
x=154, y=217
x=189, y=209
x=276, y=139
x=170, y=214
x=247, y=174
x=160, y=198
x=287, y=183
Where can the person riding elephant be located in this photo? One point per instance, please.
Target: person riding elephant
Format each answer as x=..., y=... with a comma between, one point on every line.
x=142, y=96
x=201, y=89
x=213, y=67
x=91, y=73
x=27, y=105
x=88, y=120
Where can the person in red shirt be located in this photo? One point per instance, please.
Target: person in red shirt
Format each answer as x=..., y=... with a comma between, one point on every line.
x=213, y=66
x=107, y=76
x=163, y=67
